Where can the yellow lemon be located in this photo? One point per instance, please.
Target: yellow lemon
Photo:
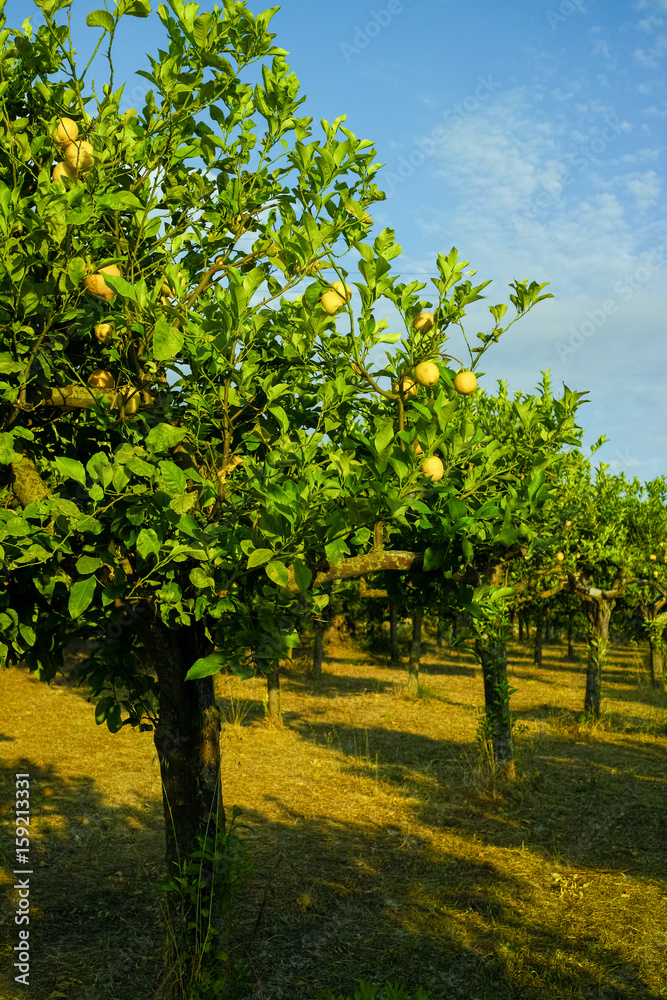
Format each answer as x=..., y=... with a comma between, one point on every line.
x=465, y=383
x=433, y=469
x=427, y=373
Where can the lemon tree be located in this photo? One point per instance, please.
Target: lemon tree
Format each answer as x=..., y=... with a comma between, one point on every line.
x=191, y=448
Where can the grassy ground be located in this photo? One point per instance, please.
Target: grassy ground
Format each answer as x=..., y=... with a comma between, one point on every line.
x=381, y=851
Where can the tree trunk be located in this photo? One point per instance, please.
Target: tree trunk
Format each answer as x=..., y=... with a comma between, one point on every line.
x=493, y=658
x=520, y=627
x=526, y=621
x=656, y=663
x=454, y=627
x=415, y=651
x=597, y=651
x=393, y=632
x=318, y=648
x=538, y=640
x=273, y=688
x=547, y=628
x=570, y=642
x=187, y=741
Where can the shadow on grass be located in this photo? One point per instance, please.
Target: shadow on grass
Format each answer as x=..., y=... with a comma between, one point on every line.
x=93, y=919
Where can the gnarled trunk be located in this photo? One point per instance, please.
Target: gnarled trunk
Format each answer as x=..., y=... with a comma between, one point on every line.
x=318, y=648
x=187, y=740
x=393, y=632
x=597, y=652
x=538, y=640
x=492, y=655
x=656, y=663
x=273, y=689
x=415, y=651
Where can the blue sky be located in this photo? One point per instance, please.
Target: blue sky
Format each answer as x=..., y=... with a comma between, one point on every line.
x=531, y=136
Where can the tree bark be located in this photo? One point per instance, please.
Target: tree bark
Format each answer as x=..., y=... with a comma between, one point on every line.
x=656, y=663
x=318, y=648
x=547, y=628
x=393, y=632
x=520, y=616
x=273, y=688
x=415, y=651
x=597, y=651
x=187, y=740
x=538, y=640
x=526, y=621
x=493, y=659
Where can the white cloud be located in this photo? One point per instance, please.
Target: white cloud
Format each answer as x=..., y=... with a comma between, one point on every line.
x=645, y=187
x=640, y=156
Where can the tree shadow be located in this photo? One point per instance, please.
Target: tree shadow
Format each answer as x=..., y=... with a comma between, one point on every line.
x=91, y=865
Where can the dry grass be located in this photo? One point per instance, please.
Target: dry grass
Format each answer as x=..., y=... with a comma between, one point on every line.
x=382, y=851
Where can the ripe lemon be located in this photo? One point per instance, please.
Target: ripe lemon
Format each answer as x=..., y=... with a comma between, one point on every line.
x=652, y=557
x=80, y=157
x=61, y=170
x=427, y=373
x=423, y=322
x=433, y=469
x=407, y=387
x=418, y=448
x=66, y=132
x=96, y=285
x=655, y=572
x=335, y=297
x=129, y=398
x=560, y=557
x=465, y=383
x=344, y=291
x=568, y=523
x=104, y=332
x=101, y=379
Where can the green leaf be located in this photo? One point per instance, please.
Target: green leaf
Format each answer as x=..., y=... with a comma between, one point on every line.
x=384, y=435
x=117, y=201
x=81, y=595
x=163, y=437
x=199, y=578
x=70, y=468
x=173, y=479
x=258, y=557
x=28, y=633
x=103, y=708
x=7, y=453
x=302, y=575
x=88, y=564
x=121, y=286
x=184, y=502
x=457, y=509
x=432, y=559
x=206, y=666
x=148, y=543
x=101, y=19
x=7, y=364
x=136, y=8
x=167, y=341
x=389, y=338
x=277, y=573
